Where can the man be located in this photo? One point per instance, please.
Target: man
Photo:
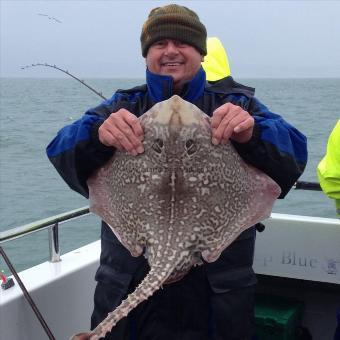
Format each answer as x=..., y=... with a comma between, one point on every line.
x=215, y=300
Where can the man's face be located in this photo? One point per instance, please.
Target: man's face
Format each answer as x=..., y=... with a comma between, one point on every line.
x=174, y=58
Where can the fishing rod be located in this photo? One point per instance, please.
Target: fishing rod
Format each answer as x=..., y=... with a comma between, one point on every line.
x=299, y=185
x=69, y=74
x=27, y=296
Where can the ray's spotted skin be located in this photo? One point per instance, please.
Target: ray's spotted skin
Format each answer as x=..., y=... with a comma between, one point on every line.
x=82, y=336
x=182, y=199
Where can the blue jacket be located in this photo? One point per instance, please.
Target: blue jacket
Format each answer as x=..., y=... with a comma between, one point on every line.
x=276, y=148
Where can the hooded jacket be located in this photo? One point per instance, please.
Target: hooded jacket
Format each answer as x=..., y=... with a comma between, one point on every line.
x=216, y=63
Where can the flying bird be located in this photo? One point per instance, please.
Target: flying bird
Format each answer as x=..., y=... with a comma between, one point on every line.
x=50, y=18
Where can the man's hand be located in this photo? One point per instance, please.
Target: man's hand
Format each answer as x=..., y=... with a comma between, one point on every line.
x=122, y=130
x=230, y=121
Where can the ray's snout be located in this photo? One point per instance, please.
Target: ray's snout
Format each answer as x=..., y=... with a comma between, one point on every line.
x=176, y=112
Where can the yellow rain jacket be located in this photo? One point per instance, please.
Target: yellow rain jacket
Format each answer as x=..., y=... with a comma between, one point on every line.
x=216, y=64
x=329, y=168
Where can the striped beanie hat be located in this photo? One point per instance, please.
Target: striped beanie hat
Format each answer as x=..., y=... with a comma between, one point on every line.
x=173, y=22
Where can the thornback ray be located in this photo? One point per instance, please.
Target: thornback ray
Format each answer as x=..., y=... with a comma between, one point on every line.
x=181, y=201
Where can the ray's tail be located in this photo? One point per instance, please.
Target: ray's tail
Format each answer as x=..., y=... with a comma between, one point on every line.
x=156, y=277
x=151, y=283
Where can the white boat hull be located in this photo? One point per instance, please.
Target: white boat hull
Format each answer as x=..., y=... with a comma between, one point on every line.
x=303, y=251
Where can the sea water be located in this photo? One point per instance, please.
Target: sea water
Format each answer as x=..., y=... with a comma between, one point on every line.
x=33, y=110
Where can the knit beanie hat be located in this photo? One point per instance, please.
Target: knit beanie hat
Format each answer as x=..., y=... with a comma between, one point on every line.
x=173, y=22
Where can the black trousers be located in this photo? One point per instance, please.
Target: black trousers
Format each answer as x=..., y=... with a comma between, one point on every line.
x=193, y=308
x=184, y=310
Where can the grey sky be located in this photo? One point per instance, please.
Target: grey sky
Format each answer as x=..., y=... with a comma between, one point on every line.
x=101, y=38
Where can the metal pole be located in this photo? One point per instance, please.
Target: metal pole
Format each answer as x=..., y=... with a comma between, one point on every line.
x=27, y=296
x=53, y=236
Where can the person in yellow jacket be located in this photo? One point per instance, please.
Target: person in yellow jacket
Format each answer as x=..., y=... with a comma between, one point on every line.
x=216, y=63
x=328, y=169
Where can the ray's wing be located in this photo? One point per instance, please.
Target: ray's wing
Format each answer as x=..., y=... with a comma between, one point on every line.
x=120, y=194
x=106, y=188
x=243, y=197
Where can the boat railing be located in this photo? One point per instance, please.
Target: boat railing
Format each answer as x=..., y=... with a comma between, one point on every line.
x=51, y=224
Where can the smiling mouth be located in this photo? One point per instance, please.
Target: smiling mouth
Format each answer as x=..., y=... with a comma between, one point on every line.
x=172, y=64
